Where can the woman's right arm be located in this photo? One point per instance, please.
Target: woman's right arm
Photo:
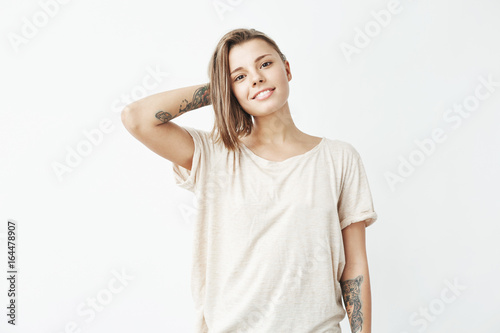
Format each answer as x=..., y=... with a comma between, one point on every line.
x=149, y=121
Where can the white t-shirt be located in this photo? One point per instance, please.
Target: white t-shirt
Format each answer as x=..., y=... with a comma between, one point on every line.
x=268, y=249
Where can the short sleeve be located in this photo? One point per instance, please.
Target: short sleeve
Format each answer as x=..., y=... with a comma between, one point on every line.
x=189, y=179
x=355, y=202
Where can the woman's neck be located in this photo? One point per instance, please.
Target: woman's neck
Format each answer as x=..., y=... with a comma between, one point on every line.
x=276, y=128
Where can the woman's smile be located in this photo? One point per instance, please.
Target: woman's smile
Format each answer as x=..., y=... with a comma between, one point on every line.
x=264, y=95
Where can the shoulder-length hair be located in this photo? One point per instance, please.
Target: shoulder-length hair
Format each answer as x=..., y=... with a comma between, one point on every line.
x=231, y=121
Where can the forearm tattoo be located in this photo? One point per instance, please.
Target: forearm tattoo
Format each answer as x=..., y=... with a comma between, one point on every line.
x=351, y=290
x=201, y=97
x=163, y=116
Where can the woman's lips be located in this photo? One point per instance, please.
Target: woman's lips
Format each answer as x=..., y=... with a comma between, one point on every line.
x=265, y=95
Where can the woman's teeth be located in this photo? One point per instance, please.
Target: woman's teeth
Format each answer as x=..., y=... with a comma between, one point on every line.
x=263, y=93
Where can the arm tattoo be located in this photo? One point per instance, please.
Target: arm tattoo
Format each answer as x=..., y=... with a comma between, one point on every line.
x=351, y=289
x=201, y=97
x=163, y=116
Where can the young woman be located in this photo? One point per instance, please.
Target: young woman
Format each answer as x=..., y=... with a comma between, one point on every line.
x=280, y=231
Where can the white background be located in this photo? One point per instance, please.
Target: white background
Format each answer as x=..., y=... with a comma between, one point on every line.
x=117, y=209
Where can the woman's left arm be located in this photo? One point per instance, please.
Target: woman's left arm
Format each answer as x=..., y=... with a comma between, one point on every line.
x=355, y=280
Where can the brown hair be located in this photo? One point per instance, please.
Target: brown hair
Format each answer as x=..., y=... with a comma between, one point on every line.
x=231, y=121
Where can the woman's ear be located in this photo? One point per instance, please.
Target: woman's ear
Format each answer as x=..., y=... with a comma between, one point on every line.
x=288, y=72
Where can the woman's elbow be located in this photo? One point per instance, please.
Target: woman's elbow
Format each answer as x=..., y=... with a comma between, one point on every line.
x=129, y=118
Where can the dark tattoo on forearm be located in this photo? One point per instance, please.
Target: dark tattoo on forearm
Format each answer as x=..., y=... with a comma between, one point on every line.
x=351, y=290
x=201, y=97
x=163, y=116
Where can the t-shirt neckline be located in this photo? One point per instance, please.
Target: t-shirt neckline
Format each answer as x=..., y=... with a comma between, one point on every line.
x=292, y=158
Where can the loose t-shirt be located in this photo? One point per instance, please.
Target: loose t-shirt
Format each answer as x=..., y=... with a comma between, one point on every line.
x=268, y=252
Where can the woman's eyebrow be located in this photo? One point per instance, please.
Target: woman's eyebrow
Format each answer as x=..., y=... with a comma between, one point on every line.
x=256, y=60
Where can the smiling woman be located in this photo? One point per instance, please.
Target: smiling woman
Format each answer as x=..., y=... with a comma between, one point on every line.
x=241, y=57
x=279, y=239
x=258, y=79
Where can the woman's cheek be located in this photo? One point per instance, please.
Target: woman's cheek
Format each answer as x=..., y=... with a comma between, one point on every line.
x=239, y=96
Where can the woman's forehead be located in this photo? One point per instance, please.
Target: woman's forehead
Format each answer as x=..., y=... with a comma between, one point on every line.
x=253, y=44
x=249, y=51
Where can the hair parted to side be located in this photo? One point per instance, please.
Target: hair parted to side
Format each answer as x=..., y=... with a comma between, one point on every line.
x=231, y=120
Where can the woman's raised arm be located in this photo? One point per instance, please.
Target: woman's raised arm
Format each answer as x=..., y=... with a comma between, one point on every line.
x=149, y=121
x=162, y=107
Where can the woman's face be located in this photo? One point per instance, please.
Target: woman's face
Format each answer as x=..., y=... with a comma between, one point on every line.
x=252, y=73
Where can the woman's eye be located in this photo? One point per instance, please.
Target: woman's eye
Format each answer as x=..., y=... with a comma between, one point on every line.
x=267, y=62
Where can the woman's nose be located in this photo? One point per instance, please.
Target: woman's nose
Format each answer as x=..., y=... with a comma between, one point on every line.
x=258, y=78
